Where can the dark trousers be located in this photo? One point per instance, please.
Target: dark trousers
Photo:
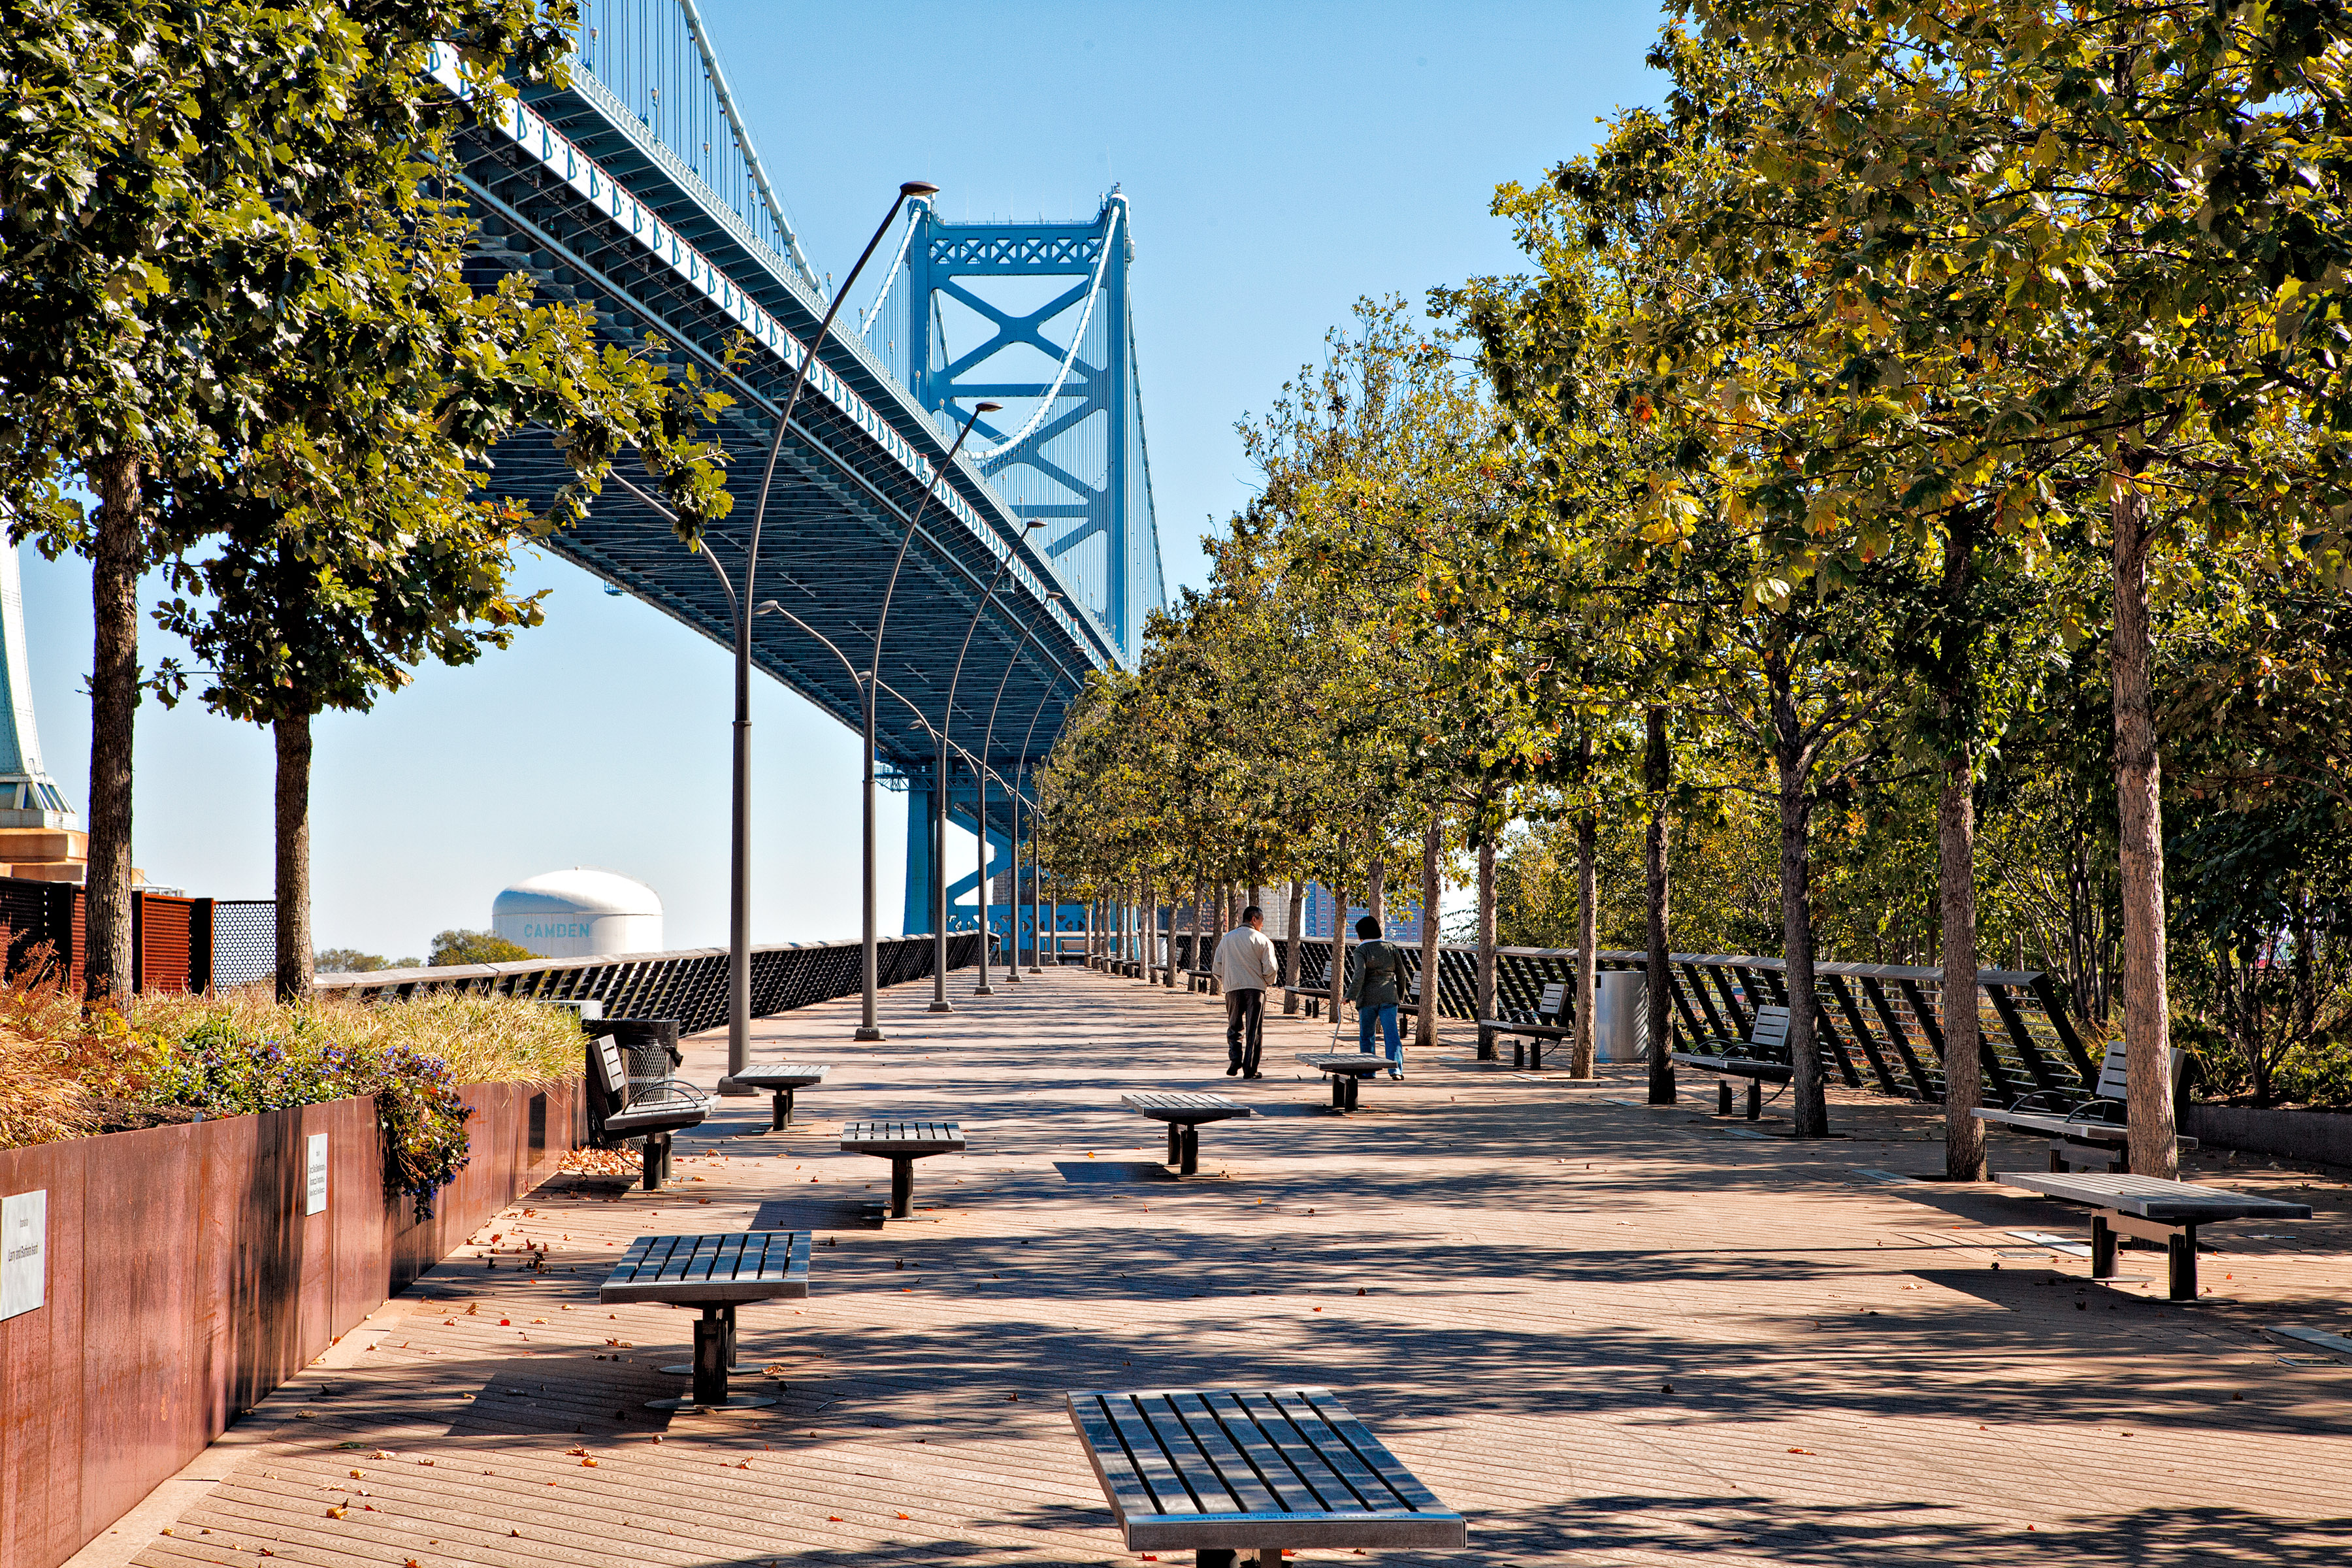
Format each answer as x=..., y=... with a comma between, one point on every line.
x=1245, y=1027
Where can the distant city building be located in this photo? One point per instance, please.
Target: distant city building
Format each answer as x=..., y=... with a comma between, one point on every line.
x=580, y=913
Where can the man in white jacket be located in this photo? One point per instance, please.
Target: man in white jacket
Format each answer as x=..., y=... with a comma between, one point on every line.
x=1244, y=966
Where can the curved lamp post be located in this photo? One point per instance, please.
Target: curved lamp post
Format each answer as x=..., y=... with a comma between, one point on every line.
x=870, y=1029
x=987, y=744
x=739, y=913
x=1036, y=870
x=939, y=821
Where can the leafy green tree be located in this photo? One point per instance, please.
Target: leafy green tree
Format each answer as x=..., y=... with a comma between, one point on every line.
x=459, y=946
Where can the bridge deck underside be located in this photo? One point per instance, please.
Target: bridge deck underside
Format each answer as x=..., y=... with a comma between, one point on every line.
x=838, y=512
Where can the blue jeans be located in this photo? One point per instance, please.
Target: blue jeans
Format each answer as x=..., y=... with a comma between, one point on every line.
x=1386, y=1019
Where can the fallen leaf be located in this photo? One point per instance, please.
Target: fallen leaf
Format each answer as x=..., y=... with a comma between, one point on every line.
x=832, y=1519
x=357, y=1475
x=1803, y=1451
x=338, y=1511
x=905, y=1516
x=587, y=1464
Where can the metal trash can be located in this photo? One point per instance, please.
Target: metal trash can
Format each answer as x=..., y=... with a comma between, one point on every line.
x=1621, y=1017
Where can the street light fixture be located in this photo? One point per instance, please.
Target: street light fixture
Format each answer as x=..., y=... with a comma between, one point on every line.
x=739, y=914
x=939, y=1002
x=870, y=1029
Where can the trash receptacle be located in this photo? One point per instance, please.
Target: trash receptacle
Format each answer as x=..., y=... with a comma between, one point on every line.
x=1621, y=1017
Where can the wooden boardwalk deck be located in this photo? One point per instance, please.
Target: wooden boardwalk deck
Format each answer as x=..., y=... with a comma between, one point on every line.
x=1607, y=1333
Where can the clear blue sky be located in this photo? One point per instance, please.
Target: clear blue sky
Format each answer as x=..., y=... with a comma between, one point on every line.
x=1283, y=159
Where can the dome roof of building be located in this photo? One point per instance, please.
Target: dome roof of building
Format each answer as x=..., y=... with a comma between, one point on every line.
x=582, y=889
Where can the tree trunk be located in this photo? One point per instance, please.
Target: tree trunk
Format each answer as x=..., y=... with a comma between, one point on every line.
x=1376, y=894
x=1955, y=866
x=297, y=954
x=2140, y=835
x=1809, y=1105
x=1293, y=942
x=1588, y=925
x=1424, y=1036
x=1200, y=923
x=113, y=702
x=1657, y=777
x=1486, y=981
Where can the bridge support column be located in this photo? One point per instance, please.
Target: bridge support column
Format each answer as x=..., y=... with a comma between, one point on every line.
x=917, y=920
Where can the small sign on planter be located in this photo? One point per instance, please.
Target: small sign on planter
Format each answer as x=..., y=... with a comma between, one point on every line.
x=24, y=1251
x=314, y=1200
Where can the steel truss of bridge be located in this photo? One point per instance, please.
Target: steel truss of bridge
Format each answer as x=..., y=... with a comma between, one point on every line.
x=633, y=191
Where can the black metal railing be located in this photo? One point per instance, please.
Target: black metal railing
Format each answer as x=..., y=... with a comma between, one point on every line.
x=689, y=985
x=1879, y=1025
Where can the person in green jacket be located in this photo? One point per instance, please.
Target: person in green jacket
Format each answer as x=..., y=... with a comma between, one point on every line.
x=1375, y=982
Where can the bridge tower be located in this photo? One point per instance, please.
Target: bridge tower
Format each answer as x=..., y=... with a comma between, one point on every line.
x=1035, y=316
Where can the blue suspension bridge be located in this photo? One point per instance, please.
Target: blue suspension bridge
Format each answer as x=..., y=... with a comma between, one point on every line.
x=636, y=191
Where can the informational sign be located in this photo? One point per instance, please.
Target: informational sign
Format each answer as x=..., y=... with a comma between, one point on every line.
x=24, y=1251
x=314, y=1199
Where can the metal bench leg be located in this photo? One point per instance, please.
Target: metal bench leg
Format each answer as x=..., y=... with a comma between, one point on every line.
x=657, y=1162
x=1722, y=1097
x=1355, y=1087
x=1190, y=1163
x=1755, y=1100
x=1518, y=1053
x=1534, y=1052
x=1215, y=1557
x=2181, y=1264
x=710, y=1357
x=783, y=1110
x=2103, y=1248
x=1175, y=1144
x=902, y=1186
x=1338, y=1092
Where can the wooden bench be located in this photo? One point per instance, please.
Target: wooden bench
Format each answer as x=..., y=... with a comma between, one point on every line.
x=1313, y=996
x=2077, y=1124
x=1183, y=1112
x=780, y=1078
x=1552, y=1004
x=1348, y=1070
x=2151, y=1209
x=1220, y=1471
x=716, y=1273
x=620, y=1108
x=902, y=1144
x=1761, y=1059
x=1199, y=980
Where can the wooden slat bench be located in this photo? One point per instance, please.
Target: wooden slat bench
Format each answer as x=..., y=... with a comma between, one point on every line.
x=1346, y=1070
x=1761, y=1059
x=902, y=1144
x=2081, y=1126
x=2151, y=1209
x=1183, y=1112
x=1533, y=1032
x=620, y=1108
x=1222, y=1471
x=716, y=1273
x=1313, y=996
x=1199, y=980
x=780, y=1078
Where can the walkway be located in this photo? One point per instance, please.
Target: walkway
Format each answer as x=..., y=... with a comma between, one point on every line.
x=1607, y=1333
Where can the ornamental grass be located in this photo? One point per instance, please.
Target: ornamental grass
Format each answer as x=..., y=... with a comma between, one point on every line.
x=174, y=1057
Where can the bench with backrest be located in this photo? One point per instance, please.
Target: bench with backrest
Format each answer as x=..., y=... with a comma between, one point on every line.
x=1183, y=1112
x=623, y=1107
x=1548, y=1022
x=716, y=1273
x=2085, y=1128
x=1222, y=1471
x=1313, y=996
x=1761, y=1059
x=2150, y=1208
x=902, y=1144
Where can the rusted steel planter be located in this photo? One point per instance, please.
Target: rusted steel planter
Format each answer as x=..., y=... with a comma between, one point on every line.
x=185, y=1282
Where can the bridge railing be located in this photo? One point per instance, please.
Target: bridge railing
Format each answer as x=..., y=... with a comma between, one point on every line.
x=1882, y=1024
x=689, y=985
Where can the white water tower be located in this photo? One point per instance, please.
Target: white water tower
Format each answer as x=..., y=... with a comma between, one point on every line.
x=580, y=913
